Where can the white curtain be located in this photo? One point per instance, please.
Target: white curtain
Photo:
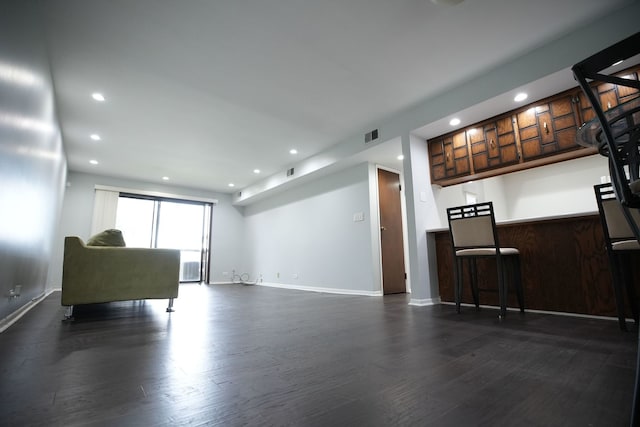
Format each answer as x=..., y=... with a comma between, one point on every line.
x=105, y=206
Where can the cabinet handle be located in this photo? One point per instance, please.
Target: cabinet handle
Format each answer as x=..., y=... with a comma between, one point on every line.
x=608, y=105
x=492, y=143
x=546, y=128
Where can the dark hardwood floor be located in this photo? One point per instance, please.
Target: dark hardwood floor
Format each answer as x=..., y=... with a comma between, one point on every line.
x=247, y=355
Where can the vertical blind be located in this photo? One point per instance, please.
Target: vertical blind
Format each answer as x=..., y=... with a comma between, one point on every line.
x=105, y=206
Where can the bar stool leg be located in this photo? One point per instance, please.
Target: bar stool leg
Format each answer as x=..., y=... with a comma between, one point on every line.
x=473, y=270
x=618, y=278
x=517, y=280
x=457, y=288
x=502, y=288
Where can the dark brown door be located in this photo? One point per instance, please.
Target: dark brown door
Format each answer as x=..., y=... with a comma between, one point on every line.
x=393, y=274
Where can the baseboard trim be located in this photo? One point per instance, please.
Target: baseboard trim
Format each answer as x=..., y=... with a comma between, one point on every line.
x=321, y=290
x=424, y=301
x=16, y=315
x=527, y=310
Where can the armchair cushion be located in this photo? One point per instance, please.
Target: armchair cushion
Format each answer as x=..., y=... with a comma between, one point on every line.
x=110, y=237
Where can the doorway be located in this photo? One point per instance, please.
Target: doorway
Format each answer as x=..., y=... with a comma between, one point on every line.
x=152, y=222
x=391, y=233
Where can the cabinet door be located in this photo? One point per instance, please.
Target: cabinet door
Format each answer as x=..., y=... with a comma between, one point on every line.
x=436, y=159
x=456, y=155
x=493, y=144
x=448, y=157
x=547, y=128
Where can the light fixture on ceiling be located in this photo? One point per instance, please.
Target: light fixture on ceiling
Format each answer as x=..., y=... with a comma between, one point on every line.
x=293, y=151
x=454, y=122
x=95, y=137
x=165, y=178
x=256, y=171
x=98, y=96
x=400, y=157
x=231, y=184
x=93, y=162
x=446, y=2
x=617, y=63
x=520, y=97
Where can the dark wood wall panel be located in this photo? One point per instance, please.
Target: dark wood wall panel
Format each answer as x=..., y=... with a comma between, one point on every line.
x=564, y=266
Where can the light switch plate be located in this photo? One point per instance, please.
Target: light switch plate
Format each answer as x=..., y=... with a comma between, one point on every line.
x=358, y=216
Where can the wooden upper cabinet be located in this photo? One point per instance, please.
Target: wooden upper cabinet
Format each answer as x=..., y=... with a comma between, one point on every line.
x=609, y=95
x=548, y=127
x=540, y=133
x=493, y=144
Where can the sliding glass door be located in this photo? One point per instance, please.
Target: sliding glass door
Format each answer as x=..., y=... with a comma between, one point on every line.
x=150, y=222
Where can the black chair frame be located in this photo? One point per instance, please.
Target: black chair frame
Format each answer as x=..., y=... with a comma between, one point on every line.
x=507, y=261
x=619, y=260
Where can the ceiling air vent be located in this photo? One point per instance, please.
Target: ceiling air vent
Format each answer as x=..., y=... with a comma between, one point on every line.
x=371, y=136
x=290, y=172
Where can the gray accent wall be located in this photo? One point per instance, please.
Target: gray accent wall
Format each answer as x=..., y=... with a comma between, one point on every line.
x=307, y=237
x=32, y=159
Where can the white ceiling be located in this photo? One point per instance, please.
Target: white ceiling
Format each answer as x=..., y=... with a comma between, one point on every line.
x=204, y=92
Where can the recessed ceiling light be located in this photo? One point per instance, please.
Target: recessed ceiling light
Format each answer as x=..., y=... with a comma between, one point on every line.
x=95, y=137
x=446, y=2
x=165, y=178
x=400, y=157
x=93, y=162
x=231, y=184
x=617, y=63
x=97, y=96
x=293, y=151
x=454, y=122
x=256, y=171
x=520, y=97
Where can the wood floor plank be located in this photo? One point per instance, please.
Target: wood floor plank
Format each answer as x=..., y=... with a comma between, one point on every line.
x=249, y=355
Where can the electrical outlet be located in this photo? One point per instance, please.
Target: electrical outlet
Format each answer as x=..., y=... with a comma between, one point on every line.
x=15, y=292
x=225, y=273
x=295, y=275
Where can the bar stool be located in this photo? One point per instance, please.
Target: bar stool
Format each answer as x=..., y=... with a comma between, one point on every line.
x=620, y=242
x=473, y=235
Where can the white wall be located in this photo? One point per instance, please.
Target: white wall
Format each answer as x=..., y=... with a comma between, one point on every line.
x=32, y=159
x=421, y=211
x=557, y=189
x=564, y=188
x=309, y=231
x=227, y=234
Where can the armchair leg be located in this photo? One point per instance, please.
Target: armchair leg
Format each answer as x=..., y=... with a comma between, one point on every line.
x=170, y=308
x=68, y=314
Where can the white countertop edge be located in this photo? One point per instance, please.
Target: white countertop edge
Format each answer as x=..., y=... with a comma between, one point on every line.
x=530, y=219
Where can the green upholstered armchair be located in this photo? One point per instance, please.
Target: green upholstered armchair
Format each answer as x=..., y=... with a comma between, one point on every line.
x=96, y=274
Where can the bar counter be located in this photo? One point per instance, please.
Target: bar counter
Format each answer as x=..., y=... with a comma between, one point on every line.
x=565, y=267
